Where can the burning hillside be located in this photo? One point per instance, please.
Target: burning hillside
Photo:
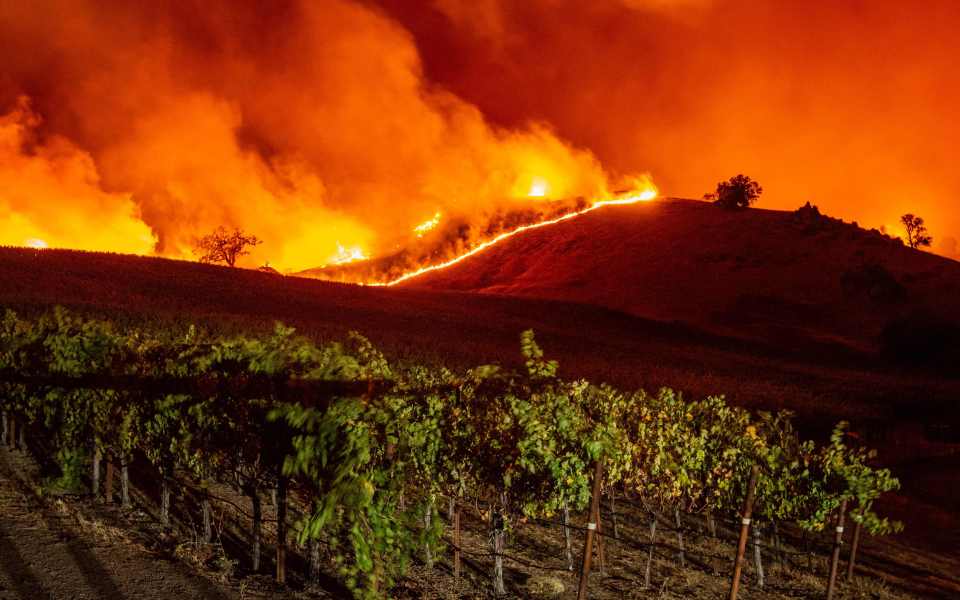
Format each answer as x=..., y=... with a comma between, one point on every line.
x=438, y=247
x=773, y=275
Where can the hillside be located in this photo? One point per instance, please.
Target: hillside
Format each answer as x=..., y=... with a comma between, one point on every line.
x=780, y=277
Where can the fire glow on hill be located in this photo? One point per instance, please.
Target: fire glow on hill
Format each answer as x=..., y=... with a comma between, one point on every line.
x=645, y=193
x=439, y=243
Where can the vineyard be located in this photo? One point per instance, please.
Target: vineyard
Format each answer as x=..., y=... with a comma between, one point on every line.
x=369, y=453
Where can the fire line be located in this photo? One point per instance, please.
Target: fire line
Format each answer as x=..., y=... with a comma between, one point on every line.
x=637, y=196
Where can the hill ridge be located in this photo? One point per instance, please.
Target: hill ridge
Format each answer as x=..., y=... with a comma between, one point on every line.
x=757, y=272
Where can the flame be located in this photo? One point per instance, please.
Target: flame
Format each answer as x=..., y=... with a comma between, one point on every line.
x=36, y=243
x=539, y=188
x=346, y=255
x=426, y=226
x=644, y=191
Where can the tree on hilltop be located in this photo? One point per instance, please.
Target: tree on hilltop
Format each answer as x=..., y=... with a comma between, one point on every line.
x=739, y=192
x=224, y=246
x=917, y=236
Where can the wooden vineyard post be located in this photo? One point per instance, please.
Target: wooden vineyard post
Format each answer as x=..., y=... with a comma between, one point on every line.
x=591, y=532
x=835, y=559
x=124, y=483
x=497, y=539
x=165, y=478
x=681, y=554
x=851, y=564
x=313, y=571
x=95, y=480
x=207, y=510
x=758, y=558
x=108, y=486
x=281, y=529
x=653, y=542
x=427, y=521
x=613, y=513
x=257, y=527
x=456, y=542
x=601, y=556
x=744, y=531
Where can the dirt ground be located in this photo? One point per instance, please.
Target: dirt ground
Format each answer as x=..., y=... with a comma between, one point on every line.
x=47, y=552
x=61, y=546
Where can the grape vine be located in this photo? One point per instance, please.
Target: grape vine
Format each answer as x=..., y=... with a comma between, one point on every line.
x=372, y=463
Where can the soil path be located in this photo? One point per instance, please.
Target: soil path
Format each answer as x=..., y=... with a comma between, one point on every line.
x=43, y=555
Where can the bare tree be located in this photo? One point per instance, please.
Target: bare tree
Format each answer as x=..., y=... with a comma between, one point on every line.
x=917, y=236
x=739, y=192
x=224, y=246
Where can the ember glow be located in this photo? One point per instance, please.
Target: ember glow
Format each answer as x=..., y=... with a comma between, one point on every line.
x=346, y=255
x=428, y=225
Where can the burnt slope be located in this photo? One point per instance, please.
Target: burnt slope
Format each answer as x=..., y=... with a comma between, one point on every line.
x=780, y=277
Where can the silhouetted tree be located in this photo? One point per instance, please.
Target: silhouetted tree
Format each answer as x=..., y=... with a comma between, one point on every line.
x=917, y=236
x=739, y=192
x=223, y=246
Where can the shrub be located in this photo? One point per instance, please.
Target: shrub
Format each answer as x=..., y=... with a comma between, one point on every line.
x=739, y=192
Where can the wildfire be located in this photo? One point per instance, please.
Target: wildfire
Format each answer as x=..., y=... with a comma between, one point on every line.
x=647, y=196
x=645, y=191
x=346, y=255
x=36, y=243
x=539, y=188
x=426, y=226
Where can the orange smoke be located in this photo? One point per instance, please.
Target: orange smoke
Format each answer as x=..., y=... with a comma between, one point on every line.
x=307, y=124
x=50, y=194
x=849, y=105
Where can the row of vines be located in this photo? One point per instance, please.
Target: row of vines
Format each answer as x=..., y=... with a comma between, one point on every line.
x=372, y=446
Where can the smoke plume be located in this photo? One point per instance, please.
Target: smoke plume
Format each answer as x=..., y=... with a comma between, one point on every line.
x=848, y=105
x=309, y=124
